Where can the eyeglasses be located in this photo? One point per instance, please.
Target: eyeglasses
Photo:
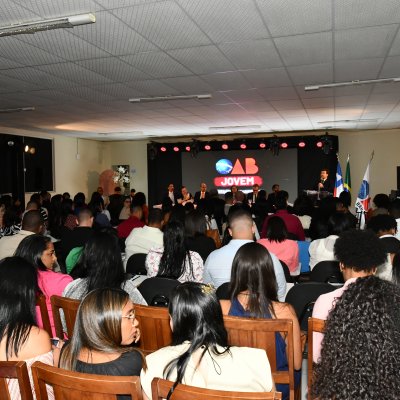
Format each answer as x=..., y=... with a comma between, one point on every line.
x=131, y=316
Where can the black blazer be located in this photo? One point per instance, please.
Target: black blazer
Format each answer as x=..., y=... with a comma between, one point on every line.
x=197, y=196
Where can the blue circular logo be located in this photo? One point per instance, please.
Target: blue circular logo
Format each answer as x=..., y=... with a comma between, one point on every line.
x=223, y=166
x=364, y=190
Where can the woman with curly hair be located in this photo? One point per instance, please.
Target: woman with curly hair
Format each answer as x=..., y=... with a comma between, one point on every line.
x=360, y=357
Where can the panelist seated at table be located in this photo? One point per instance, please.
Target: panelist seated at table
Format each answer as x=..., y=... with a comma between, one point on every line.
x=185, y=196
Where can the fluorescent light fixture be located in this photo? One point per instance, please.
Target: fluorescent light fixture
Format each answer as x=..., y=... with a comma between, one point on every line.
x=341, y=121
x=233, y=127
x=12, y=110
x=351, y=83
x=167, y=98
x=47, y=24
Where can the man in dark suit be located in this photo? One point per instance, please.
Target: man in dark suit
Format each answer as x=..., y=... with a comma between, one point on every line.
x=325, y=184
x=272, y=197
x=252, y=197
x=170, y=198
x=202, y=194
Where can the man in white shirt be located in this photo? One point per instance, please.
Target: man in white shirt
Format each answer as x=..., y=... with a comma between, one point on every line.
x=140, y=240
x=217, y=269
x=32, y=222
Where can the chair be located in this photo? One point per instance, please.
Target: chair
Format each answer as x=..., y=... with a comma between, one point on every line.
x=327, y=271
x=154, y=326
x=223, y=291
x=157, y=291
x=314, y=325
x=76, y=386
x=260, y=333
x=41, y=303
x=136, y=264
x=160, y=389
x=303, y=297
x=15, y=370
x=69, y=308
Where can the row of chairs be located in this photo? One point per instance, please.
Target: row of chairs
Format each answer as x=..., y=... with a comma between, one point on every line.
x=69, y=385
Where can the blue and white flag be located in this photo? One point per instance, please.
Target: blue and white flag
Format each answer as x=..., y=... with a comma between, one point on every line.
x=363, y=199
x=338, y=182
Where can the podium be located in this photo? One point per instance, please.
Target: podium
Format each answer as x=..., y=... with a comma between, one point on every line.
x=316, y=195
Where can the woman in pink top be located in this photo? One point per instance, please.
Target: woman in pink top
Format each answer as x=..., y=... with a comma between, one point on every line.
x=39, y=251
x=277, y=243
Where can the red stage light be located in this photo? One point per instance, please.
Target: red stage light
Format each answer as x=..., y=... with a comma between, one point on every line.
x=302, y=144
x=225, y=146
x=187, y=148
x=243, y=146
x=176, y=148
x=262, y=145
x=163, y=149
x=207, y=147
x=319, y=144
x=284, y=145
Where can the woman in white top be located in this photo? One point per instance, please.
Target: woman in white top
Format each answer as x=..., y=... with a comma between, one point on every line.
x=200, y=354
x=20, y=337
x=173, y=260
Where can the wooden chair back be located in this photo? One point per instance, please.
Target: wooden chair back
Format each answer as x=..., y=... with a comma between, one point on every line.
x=15, y=370
x=314, y=325
x=154, y=327
x=69, y=308
x=77, y=386
x=41, y=303
x=161, y=387
x=260, y=333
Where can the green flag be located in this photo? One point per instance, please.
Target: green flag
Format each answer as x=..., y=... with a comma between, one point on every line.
x=347, y=178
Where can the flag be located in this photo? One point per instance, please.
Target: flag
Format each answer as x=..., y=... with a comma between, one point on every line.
x=363, y=199
x=338, y=182
x=347, y=178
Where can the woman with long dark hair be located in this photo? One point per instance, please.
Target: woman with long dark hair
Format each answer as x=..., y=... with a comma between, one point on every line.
x=360, y=356
x=253, y=293
x=39, y=251
x=100, y=266
x=20, y=337
x=195, y=233
x=200, y=354
x=104, y=331
x=278, y=243
x=174, y=260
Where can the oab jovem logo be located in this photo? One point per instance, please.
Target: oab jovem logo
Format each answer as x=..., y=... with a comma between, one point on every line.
x=239, y=173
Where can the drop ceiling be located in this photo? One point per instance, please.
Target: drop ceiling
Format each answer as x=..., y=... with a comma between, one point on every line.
x=253, y=56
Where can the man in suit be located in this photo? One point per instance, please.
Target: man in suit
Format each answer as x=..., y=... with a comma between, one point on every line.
x=202, y=194
x=272, y=197
x=170, y=198
x=252, y=197
x=325, y=184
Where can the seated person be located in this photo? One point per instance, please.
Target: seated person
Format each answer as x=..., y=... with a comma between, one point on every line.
x=185, y=197
x=252, y=269
x=359, y=253
x=134, y=221
x=277, y=242
x=106, y=347
x=360, y=356
x=20, y=337
x=174, y=260
x=200, y=354
x=322, y=249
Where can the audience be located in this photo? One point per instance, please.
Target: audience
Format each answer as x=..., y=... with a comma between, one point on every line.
x=293, y=224
x=359, y=254
x=195, y=234
x=253, y=293
x=105, y=347
x=200, y=354
x=277, y=242
x=100, y=266
x=174, y=260
x=134, y=221
x=125, y=210
x=9, y=221
x=32, y=222
x=20, y=337
x=380, y=205
x=116, y=202
x=39, y=251
x=141, y=240
x=322, y=249
x=394, y=211
x=140, y=200
x=360, y=356
x=218, y=266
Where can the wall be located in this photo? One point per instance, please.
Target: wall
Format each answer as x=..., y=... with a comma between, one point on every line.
x=133, y=153
x=386, y=147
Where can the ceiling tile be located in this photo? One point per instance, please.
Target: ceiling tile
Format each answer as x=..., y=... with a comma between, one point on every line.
x=391, y=68
x=311, y=74
x=315, y=48
x=291, y=17
x=352, y=70
x=274, y=77
x=227, y=81
x=188, y=84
